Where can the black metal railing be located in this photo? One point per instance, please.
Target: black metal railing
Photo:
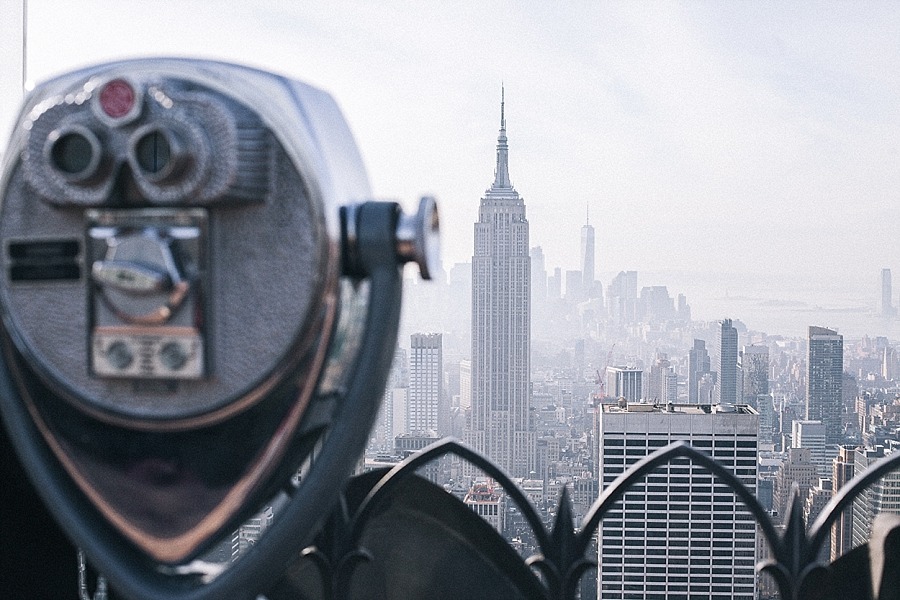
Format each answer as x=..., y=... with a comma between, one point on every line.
x=395, y=535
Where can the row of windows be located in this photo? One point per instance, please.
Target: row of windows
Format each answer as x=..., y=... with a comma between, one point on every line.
x=614, y=545
x=720, y=565
x=610, y=440
x=610, y=593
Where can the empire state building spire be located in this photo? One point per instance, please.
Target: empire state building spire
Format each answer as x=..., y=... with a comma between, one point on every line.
x=501, y=425
x=501, y=174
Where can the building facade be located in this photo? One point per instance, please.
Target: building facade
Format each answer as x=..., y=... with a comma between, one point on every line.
x=682, y=533
x=621, y=298
x=500, y=421
x=699, y=366
x=887, y=305
x=624, y=382
x=391, y=419
x=843, y=469
x=755, y=373
x=798, y=468
x=883, y=496
x=824, y=381
x=811, y=434
x=426, y=376
x=726, y=363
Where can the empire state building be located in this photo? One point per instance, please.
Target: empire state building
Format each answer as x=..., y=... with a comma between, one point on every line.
x=500, y=425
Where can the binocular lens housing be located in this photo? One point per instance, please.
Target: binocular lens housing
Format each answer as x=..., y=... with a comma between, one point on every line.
x=152, y=152
x=170, y=286
x=74, y=152
x=196, y=296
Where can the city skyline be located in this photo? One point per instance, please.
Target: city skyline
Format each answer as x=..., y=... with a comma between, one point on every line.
x=666, y=122
x=569, y=353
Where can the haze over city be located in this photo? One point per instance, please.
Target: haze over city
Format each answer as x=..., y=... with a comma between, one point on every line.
x=744, y=141
x=663, y=223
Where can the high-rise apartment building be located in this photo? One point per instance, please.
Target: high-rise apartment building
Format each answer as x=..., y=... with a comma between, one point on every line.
x=726, y=363
x=500, y=424
x=698, y=366
x=824, y=381
x=426, y=376
x=587, y=258
x=680, y=532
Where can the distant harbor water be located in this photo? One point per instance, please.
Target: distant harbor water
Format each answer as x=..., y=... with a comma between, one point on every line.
x=781, y=305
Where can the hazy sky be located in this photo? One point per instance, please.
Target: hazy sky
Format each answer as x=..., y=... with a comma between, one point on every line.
x=735, y=137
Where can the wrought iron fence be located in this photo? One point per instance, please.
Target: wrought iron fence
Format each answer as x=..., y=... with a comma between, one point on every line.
x=395, y=535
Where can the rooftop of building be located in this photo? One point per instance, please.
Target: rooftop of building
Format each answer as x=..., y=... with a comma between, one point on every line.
x=623, y=406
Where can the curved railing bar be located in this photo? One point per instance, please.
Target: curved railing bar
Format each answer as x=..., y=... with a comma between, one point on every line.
x=848, y=493
x=409, y=465
x=793, y=559
x=662, y=456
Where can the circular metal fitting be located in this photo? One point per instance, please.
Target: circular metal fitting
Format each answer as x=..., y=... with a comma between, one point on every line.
x=418, y=238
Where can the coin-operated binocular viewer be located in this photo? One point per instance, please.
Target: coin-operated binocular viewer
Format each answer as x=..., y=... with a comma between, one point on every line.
x=196, y=296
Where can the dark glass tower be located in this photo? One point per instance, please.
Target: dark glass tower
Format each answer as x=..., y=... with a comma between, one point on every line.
x=824, y=381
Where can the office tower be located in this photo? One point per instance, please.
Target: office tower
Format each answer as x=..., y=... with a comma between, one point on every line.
x=486, y=503
x=657, y=381
x=670, y=386
x=501, y=320
x=890, y=361
x=766, y=409
x=887, y=306
x=587, y=258
x=698, y=366
x=726, y=363
x=622, y=298
x=841, y=473
x=426, y=377
x=680, y=532
x=883, y=496
x=824, y=380
x=811, y=434
x=624, y=382
x=755, y=369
